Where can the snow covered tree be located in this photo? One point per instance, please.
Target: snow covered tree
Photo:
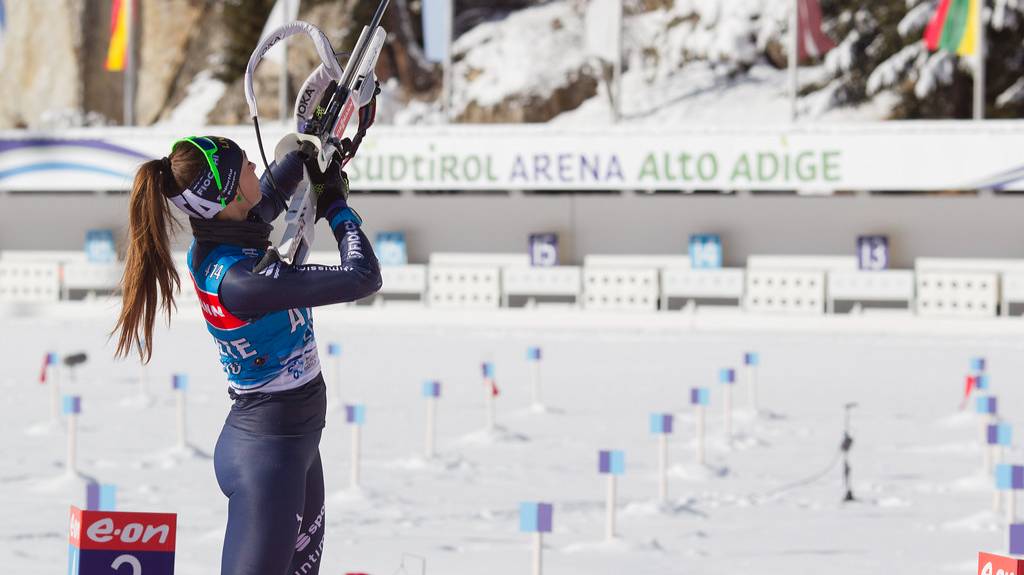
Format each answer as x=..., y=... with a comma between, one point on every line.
x=881, y=50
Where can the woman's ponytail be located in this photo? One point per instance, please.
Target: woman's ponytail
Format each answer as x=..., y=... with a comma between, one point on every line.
x=148, y=263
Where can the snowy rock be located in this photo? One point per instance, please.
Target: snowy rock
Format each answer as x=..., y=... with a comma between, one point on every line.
x=504, y=71
x=36, y=81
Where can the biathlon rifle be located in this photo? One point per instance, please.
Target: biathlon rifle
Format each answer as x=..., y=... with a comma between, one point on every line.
x=339, y=91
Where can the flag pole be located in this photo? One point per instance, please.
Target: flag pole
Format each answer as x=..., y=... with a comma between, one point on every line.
x=617, y=68
x=446, y=82
x=794, y=56
x=979, y=64
x=282, y=80
x=129, y=70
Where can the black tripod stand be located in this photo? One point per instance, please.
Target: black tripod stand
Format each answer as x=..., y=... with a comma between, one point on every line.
x=845, y=448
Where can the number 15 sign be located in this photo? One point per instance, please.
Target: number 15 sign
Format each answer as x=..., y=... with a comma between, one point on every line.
x=108, y=542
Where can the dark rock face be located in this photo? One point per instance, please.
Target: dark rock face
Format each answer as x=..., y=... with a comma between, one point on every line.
x=531, y=108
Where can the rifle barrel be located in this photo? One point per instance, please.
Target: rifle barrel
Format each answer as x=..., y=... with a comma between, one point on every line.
x=360, y=50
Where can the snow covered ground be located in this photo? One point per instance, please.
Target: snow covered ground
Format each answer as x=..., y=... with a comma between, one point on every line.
x=924, y=505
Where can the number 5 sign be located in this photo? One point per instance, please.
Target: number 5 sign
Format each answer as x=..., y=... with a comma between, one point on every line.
x=113, y=543
x=872, y=253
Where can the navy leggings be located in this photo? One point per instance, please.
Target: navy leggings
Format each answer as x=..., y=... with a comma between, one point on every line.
x=275, y=486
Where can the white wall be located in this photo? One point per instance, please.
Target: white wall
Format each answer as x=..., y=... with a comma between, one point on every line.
x=951, y=226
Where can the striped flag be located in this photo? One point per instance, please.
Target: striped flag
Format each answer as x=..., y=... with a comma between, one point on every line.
x=3, y=28
x=118, y=48
x=954, y=26
x=812, y=42
x=48, y=360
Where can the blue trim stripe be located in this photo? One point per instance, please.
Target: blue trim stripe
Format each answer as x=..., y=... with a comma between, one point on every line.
x=12, y=144
x=61, y=167
x=1002, y=181
x=345, y=215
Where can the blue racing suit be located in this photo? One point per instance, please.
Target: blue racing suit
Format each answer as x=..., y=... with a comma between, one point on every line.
x=267, y=458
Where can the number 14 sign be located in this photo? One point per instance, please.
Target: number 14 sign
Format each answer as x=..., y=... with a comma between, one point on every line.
x=104, y=542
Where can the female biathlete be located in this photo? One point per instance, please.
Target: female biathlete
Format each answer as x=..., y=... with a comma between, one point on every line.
x=267, y=458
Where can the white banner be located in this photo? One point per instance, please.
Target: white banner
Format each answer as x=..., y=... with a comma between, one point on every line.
x=892, y=156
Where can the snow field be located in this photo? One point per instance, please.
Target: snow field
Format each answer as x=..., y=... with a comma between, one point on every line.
x=916, y=461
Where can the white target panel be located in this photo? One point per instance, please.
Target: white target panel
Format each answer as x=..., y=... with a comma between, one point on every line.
x=635, y=261
x=785, y=292
x=871, y=286
x=620, y=289
x=92, y=277
x=24, y=282
x=42, y=256
x=469, y=287
x=404, y=280
x=957, y=294
x=455, y=259
x=719, y=284
x=1012, y=290
x=555, y=281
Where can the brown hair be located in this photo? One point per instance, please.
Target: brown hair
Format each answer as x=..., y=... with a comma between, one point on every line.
x=148, y=263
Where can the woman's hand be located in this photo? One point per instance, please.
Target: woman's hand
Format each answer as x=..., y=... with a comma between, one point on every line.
x=330, y=186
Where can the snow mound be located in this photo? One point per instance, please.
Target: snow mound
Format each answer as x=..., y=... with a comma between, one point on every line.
x=490, y=437
x=697, y=473
x=959, y=419
x=980, y=521
x=438, y=464
x=679, y=508
x=174, y=457
x=614, y=546
x=978, y=482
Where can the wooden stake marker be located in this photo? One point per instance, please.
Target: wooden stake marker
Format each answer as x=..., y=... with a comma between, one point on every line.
x=727, y=377
x=751, y=361
x=612, y=464
x=1010, y=479
x=700, y=398
x=536, y=518
x=431, y=392
x=987, y=407
x=179, y=383
x=661, y=426
x=72, y=407
x=490, y=393
x=51, y=374
x=355, y=416
x=533, y=355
